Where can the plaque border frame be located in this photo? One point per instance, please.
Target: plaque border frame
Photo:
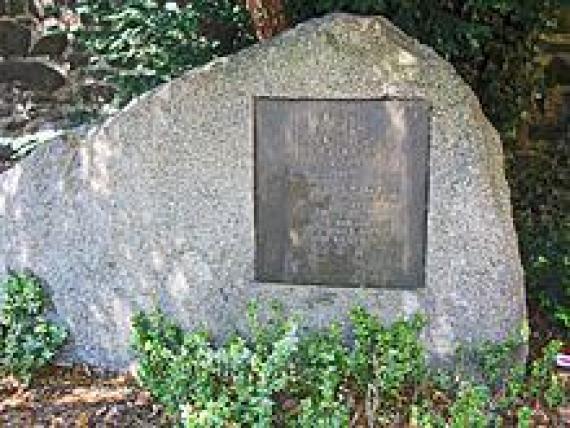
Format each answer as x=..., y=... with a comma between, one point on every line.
x=253, y=139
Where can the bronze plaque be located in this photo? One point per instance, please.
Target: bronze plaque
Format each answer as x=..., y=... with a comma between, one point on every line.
x=341, y=191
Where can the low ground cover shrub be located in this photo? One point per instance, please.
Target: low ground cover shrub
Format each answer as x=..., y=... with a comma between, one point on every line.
x=282, y=377
x=28, y=341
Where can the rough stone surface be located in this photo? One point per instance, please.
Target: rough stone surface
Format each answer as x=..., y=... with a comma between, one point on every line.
x=15, y=39
x=157, y=207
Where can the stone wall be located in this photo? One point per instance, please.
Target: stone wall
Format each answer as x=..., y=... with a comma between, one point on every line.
x=40, y=75
x=33, y=68
x=42, y=83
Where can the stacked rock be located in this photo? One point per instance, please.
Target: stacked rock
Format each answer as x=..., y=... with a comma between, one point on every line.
x=33, y=68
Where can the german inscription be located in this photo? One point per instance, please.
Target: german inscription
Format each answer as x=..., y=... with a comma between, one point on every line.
x=341, y=189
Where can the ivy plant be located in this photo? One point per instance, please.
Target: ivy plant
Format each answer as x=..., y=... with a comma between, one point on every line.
x=138, y=44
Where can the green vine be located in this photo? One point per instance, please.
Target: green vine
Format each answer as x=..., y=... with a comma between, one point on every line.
x=139, y=44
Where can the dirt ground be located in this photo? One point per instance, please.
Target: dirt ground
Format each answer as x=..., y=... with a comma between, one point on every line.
x=78, y=397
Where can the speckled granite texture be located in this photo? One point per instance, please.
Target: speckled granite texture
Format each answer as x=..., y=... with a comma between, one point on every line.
x=156, y=207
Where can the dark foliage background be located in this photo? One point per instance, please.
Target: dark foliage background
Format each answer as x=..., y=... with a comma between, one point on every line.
x=492, y=43
x=139, y=44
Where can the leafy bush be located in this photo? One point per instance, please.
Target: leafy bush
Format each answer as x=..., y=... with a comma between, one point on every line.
x=470, y=407
x=233, y=384
x=543, y=383
x=28, y=340
x=384, y=360
x=138, y=44
x=321, y=367
x=282, y=378
x=276, y=375
x=542, y=215
x=492, y=43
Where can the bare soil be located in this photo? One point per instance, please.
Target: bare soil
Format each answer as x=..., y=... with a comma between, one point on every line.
x=78, y=397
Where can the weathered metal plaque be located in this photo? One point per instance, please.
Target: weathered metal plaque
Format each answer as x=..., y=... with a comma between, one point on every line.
x=340, y=192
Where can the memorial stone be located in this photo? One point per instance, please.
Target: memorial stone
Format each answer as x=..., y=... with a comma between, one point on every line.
x=341, y=163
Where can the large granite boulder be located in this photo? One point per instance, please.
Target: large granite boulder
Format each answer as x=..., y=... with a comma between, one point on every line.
x=157, y=208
